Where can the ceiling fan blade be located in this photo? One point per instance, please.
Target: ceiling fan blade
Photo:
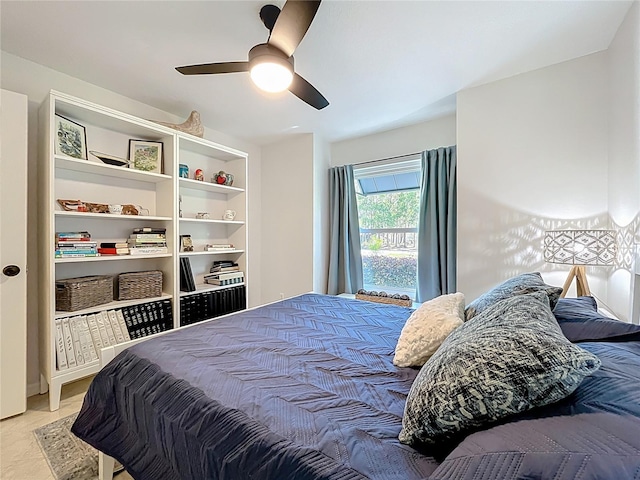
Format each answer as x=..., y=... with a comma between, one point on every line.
x=292, y=24
x=212, y=68
x=307, y=92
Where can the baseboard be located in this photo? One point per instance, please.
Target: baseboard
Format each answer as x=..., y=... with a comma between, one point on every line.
x=33, y=389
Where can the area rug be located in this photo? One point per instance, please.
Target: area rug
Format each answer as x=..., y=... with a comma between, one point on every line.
x=68, y=457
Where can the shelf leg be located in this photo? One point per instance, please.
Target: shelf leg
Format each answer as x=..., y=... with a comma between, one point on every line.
x=44, y=385
x=55, y=390
x=105, y=466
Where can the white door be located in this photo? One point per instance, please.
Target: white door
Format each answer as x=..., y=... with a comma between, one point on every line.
x=13, y=253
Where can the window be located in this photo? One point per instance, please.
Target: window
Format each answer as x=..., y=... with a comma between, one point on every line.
x=388, y=196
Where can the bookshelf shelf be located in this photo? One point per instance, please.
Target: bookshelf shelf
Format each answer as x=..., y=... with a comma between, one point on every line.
x=209, y=220
x=218, y=252
x=163, y=195
x=111, y=305
x=99, y=168
x=71, y=374
x=208, y=186
x=109, y=216
x=111, y=258
x=202, y=288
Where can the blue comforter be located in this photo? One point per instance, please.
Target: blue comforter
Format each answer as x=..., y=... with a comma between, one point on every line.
x=306, y=389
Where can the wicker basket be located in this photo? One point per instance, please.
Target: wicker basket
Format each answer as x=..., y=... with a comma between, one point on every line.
x=388, y=300
x=83, y=292
x=139, y=285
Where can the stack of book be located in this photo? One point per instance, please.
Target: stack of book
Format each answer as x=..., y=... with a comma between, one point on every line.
x=148, y=241
x=220, y=266
x=224, y=278
x=75, y=244
x=224, y=272
x=114, y=248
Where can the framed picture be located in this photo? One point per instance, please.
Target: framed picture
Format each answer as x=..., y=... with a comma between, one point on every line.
x=71, y=138
x=145, y=155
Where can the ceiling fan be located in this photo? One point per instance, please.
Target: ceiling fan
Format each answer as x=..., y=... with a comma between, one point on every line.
x=271, y=64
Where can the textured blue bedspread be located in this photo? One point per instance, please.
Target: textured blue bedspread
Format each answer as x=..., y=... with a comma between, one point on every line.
x=305, y=389
x=594, y=434
x=301, y=389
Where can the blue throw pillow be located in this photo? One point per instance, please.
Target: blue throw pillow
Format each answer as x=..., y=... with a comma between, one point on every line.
x=580, y=322
x=518, y=285
x=509, y=359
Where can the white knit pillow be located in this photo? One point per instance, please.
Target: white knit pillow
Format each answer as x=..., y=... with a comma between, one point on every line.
x=426, y=329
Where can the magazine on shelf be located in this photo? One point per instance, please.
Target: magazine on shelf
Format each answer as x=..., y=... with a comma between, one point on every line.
x=123, y=325
x=115, y=325
x=100, y=320
x=76, y=340
x=86, y=341
x=94, y=331
x=61, y=355
x=107, y=326
x=68, y=343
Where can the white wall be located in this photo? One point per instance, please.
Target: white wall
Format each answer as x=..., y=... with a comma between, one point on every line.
x=624, y=154
x=35, y=81
x=322, y=160
x=532, y=156
x=415, y=138
x=287, y=217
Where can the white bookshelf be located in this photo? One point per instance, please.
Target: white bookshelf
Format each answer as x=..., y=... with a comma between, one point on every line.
x=155, y=194
x=213, y=199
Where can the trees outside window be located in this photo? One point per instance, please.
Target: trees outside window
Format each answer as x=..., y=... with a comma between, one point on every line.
x=388, y=234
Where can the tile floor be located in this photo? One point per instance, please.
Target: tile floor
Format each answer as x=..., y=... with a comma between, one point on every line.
x=20, y=455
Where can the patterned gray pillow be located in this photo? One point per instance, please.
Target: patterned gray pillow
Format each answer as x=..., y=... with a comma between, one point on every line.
x=511, y=358
x=519, y=285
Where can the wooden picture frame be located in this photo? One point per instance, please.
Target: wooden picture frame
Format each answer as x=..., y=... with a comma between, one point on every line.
x=70, y=138
x=145, y=155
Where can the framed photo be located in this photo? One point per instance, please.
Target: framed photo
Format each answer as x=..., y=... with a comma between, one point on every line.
x=186, y=244
x=71, y=138
x=145, y=155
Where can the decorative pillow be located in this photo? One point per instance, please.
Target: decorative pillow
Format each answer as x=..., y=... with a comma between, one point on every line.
x=519, y=285
x=511, y=358
x=580, y=321
x=426, y=329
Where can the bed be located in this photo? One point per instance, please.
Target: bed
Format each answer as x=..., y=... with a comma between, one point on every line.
x=305, y=389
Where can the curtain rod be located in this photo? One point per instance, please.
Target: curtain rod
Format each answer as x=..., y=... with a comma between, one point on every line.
x=385, y=159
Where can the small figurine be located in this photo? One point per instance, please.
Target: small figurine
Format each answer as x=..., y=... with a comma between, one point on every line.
x=222, y=178
x=199, y=175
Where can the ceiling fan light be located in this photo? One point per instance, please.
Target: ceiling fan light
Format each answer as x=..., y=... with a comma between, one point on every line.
x=271, y=76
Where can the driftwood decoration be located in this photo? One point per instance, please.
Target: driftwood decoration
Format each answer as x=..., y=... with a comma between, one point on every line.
x=191, y=125
x=80, y=206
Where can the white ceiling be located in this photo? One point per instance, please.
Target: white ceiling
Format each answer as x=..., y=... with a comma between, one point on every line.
x=381, y=64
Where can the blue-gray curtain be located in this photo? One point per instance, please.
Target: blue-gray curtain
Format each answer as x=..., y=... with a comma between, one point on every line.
x=437, y=224
x=345, y=260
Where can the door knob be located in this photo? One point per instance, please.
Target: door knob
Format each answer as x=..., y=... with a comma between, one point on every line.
x=11, y=270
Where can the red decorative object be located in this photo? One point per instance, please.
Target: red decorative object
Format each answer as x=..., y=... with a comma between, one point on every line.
x=222, y=178
x=199, y=175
